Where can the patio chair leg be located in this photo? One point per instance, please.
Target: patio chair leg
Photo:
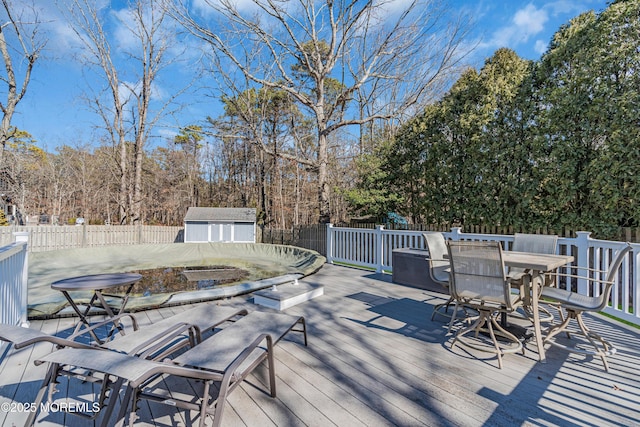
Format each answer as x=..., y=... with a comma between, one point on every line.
x=486, y=322
x=453, y=317
x=472, y=327
x=219, y=403
x=568, y=316
x=304, y=329
x=113, y=399
x=607, y=347
x=51, y=375
x=133, y=413
x=556, y=329
x=498, y=352
x=272, y=370
x=506, y=333
x=436, y=309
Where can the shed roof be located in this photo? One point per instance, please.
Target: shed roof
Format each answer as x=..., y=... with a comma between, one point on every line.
x=221, y=214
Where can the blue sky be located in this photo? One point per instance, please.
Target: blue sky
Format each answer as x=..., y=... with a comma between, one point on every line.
x=54, y=113
x=524, y=26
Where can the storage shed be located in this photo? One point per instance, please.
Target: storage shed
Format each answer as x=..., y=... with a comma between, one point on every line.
x=237, y=225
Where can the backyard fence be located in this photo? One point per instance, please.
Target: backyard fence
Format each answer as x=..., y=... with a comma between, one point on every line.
x=312, y=237
x=53, y=237
x=374, y=248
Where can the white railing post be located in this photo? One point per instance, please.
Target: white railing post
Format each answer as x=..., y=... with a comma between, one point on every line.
x=23, y=236
x=330, y=243
x=635, y=283
x=379, y=248
x=582, y=244
x=455, y=233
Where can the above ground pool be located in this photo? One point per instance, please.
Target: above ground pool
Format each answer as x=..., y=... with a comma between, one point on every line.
x=173, y=273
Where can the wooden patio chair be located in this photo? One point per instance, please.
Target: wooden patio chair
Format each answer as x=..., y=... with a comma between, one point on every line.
x=575, y=304
x=479, y=282
x=226, y=357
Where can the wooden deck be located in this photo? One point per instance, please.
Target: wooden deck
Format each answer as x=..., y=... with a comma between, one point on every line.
x=374, y=359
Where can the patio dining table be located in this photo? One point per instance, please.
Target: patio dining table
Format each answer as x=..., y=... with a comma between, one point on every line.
x=537, y=265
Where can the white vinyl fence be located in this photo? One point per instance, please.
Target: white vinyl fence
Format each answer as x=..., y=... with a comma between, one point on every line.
x=373, y=248
x=55, y=237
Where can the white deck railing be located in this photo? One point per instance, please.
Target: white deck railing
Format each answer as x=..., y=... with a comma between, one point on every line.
x=13, y=283
x=373, y=248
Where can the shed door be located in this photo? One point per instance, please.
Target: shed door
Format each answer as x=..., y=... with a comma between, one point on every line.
x=245, y=232
x=197, y=232
x=227, y=232
x=221, y=232
x=216, y=232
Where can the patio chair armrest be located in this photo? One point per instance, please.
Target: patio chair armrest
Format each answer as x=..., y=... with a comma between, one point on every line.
x=162, y=339
x=248, y=350
x=22, y=337
x=587, y=278
x=587, y=269
x=233, y=376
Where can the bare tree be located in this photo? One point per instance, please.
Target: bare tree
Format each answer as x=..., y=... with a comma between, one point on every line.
x=323, y=54
x=125, y=105
x=20, y=47
x=86, y=23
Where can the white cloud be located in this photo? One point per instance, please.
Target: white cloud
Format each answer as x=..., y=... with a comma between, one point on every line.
x=208, y=7
x=62, y=40
x=566, y=7
x=124, y=32
x=395, y=7
x=526, y=23
x=540, y=46
x=530, y=20
x=168, y=134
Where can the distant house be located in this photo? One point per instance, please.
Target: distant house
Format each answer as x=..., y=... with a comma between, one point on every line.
x=6, y=203
x=236, y=225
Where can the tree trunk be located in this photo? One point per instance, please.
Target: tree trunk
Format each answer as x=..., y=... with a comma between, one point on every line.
x=124, y=188
x=323, y=184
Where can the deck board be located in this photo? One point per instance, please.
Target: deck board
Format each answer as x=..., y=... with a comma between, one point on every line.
x=374, y=359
